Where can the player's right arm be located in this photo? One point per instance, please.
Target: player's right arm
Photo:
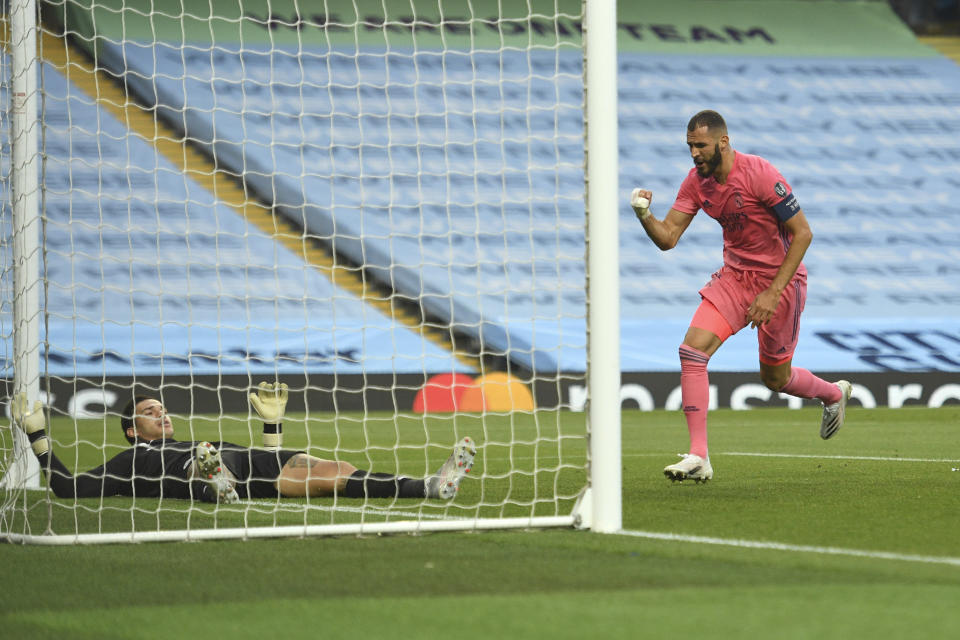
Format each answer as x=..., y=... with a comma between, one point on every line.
x=270, y=402
x=664, y=233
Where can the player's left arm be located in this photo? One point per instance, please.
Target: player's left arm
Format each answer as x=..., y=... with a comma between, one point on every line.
x=765, y=304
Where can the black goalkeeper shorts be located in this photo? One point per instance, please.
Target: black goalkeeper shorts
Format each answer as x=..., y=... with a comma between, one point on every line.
x=256, y=470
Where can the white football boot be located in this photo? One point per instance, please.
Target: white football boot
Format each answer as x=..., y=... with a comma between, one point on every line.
x=445, y=483
x=692, y=467
x=833, y=414
x=216, y=482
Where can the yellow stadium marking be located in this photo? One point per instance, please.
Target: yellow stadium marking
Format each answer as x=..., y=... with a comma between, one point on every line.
x=947, y=45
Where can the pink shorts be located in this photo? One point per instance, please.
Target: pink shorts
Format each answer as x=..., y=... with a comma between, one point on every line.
x=732, y=292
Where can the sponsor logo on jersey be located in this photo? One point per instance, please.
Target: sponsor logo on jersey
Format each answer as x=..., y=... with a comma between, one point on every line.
x=733, y=221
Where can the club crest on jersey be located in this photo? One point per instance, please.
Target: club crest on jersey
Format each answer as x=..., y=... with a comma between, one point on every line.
x=780, y=190
x=738, y=201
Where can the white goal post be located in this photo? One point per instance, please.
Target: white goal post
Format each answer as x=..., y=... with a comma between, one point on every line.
x=407, y=212
x=20, y=466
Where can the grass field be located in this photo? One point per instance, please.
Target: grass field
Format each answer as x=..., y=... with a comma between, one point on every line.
x=794, y=538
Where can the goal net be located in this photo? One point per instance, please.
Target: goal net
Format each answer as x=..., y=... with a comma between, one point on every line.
x=381, y=205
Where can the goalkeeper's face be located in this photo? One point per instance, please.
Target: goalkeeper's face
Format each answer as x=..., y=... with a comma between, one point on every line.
x=152, y=421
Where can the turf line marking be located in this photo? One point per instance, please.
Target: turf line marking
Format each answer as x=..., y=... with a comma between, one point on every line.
x=348, y=509
x=822, y=457
x=780, y=546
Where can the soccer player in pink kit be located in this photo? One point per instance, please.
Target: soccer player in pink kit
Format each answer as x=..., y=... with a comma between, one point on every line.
x=762, y=283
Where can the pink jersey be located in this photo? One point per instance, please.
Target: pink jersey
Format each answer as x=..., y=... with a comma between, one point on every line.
x=751, y=207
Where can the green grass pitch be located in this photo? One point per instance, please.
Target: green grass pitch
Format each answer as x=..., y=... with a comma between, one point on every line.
x=794, y=538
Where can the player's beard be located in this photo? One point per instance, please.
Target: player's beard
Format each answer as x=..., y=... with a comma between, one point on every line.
x=709, y=166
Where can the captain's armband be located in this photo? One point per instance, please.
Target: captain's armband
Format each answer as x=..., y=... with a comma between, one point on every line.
x=786, y=208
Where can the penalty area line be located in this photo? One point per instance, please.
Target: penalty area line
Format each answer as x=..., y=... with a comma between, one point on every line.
x=796, y=548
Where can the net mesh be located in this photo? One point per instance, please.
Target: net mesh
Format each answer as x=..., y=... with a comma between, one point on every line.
x=381, y=208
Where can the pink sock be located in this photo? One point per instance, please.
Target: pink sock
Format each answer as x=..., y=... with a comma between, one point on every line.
x=695, y=392
x=804, y=384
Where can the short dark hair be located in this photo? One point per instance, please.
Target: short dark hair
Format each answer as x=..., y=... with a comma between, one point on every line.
x=712, y=120
x=127, y=416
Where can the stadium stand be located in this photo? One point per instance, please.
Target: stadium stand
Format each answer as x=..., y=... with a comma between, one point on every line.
x=134, y=250
x=857, y=114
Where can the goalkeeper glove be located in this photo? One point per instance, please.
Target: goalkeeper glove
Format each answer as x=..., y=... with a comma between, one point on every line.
x=270, y=401
x=32, y=421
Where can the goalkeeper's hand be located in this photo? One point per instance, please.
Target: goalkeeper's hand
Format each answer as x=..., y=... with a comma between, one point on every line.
x=270, y=401
x=640, y=201
x=30, y=420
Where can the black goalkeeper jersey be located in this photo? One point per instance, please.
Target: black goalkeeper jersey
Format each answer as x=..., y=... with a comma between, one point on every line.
x=148, y=470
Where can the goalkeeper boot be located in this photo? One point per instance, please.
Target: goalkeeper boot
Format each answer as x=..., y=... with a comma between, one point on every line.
x=215, y=481
x=833, y=414
x=445, y=483
x=692, y=466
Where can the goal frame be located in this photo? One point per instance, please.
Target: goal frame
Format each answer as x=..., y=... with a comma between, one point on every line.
x=599, y=506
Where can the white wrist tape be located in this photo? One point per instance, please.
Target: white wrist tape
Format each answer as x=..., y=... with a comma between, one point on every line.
x=272, y=436
x=640, y=204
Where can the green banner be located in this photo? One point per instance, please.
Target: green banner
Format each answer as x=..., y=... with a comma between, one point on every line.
x=790, y=28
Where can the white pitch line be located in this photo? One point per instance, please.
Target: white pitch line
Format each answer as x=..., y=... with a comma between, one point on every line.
x=823, y=457
x=291, y=508
x=780, y=546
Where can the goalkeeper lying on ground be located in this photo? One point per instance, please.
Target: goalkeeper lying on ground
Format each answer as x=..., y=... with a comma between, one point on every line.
x=159, y=466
